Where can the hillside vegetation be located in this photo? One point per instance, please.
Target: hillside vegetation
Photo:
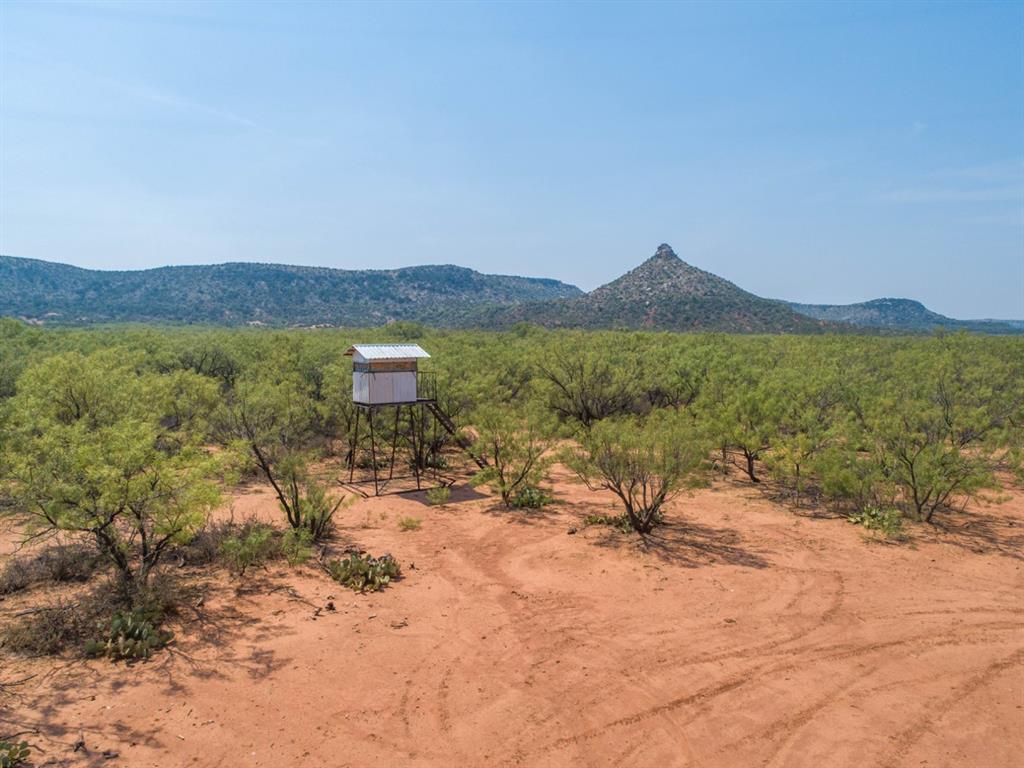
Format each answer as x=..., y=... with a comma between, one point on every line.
x=900, y=315
x=271, y=294
x=664, y=293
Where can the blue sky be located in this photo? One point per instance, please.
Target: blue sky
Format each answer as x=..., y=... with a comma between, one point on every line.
x=811, y=152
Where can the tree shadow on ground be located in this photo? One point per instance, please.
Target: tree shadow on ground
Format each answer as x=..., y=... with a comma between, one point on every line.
x=460, y=494
x=977, y=532
x=687, y=544
x=220, y=633
x=810, y=503
x=224, y=640
x=58, y=739
x=547, y=514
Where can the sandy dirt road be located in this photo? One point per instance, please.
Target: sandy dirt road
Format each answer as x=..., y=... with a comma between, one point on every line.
x=741, y=635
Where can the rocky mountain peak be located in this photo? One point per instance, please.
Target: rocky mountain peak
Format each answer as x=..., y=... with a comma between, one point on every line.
x=664, y=252
x=663, y=273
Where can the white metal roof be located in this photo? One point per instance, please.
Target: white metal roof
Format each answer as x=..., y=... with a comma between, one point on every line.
x=387, y=351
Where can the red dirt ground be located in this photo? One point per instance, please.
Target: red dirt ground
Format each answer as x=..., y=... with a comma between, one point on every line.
x=743, y=634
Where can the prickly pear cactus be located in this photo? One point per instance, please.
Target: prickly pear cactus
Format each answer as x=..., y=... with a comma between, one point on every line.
x=364, y=573
x=131, y=636
x=13, y=754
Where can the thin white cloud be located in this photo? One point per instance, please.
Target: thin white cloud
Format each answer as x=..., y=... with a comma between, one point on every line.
x=1002, y=218
x=1003, y=170
x=169, y=99
x=996, y=182
x=138, y=91
x=949, y=194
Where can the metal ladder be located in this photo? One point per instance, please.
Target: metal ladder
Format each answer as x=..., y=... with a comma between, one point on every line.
x=449, y=427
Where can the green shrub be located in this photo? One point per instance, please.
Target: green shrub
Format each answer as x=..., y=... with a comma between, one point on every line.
x=240, y=546
x=364, y=573
x=130, y=636
x=619, y=522
x=439, y=496
x=515, y=444
x=103, y=449
x=645, y=463
x=13, y=754
x=436, y=461
x=316, y=509
x=888, y=522
x=251, y=548
x=531, y=497
x=297, y=545
x=204, y=548
x=409, y=524
x=367, y=462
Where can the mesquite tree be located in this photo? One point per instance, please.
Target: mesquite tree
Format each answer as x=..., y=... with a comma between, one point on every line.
x=809, y=423
x=930, y=440
x=645, y=463
x=101, y=451
x=272, y=421
x=586, y=387
x=515, y=446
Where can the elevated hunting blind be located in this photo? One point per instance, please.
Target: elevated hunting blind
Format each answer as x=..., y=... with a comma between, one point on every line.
x=386, y=374
x=387, y=377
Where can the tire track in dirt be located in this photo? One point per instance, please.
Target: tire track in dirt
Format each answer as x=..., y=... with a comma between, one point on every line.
x=545, y=625
x=936, y=708
x=784, y=730
x=787, y=727
x=477, y=565
x=962, y=611
x=444, y=559
x=707, y=694
x=403, y=711
x=842, y=651
x=444, y=714
x=776, y=647
x=835, y=606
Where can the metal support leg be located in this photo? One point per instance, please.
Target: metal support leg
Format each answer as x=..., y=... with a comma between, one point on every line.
x=373, y=454
x=355, y=448
x=394, y=443
x=417, y=442
x=433, y=444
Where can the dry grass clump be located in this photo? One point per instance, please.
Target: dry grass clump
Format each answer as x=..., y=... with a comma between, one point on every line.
x=57, y=563
x=68, y=624
x=205, y=548
x=51, y=630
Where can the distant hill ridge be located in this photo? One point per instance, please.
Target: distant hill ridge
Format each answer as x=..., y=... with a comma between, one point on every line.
x=900, y=315
x=662, y=293
x=274, y=294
